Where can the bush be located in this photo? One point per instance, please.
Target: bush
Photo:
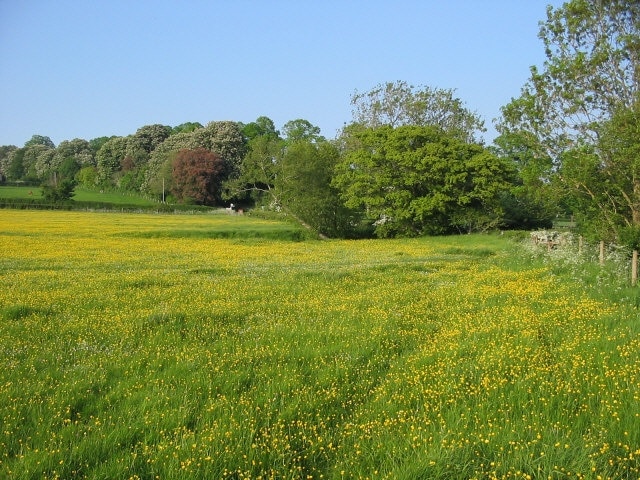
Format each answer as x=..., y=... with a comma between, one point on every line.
x=60, y=192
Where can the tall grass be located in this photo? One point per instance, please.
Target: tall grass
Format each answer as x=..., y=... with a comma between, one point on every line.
x=141, y=346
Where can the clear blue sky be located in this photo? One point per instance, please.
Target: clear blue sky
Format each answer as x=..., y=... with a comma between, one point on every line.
x=85, y=69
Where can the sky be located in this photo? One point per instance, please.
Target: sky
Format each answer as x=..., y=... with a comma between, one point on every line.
x=86, y=69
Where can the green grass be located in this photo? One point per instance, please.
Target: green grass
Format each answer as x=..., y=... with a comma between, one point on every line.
x=81, y=195
x=147, y=346
x=114, y=198
x=20, y=192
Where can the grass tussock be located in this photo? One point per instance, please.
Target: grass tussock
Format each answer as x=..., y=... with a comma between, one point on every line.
x=187, y=356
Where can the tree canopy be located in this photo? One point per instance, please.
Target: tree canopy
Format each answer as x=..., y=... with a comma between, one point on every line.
x=415, y=180
x=196, y=176
x=398, y=103
x=572, y=114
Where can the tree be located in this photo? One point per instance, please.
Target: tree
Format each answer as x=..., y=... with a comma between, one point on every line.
x=263, y=126
x=592, y=72
x=263, y=171
x=157, y=175
x=301, y=130
x=226, y=140
x=109, y=158
x=607, y=178
x=197, y=176
x=38, y=161
x=592, y=68
x=258, y=172
x=77, y=149
x=96, y=144
x=143, y=142
x=59, y=191
x=5, y=160
x=68, y=168
x=147, y=138
x=15, y=169
x=532, y=202
x=398, y=103
x=304, y=180
x=415, y=180
x=87, y=176
x=186, y=127
x=40, y=140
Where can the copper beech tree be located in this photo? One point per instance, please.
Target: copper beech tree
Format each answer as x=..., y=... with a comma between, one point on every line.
x=197, y=176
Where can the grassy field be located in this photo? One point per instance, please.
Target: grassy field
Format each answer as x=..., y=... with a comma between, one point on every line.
x=81, y=195
x=147, y=346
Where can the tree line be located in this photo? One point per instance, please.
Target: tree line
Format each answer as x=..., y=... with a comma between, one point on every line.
x=410, y=161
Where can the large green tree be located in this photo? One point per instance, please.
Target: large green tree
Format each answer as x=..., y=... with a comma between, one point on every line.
x=258, y=172
x=415, y=180
x=301, y=130
x=305, y=172
x=40, y=140
x=263, y=126
x=561, y=121
x=15, y=168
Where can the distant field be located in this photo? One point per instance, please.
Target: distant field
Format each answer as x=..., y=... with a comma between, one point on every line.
x=149, y=346
x=20, y=192
x=81, y=194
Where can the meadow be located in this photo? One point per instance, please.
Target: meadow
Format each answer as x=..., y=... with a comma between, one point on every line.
x=142, y=346
x=80, y=195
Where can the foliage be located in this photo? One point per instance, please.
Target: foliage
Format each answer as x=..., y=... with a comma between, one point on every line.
x=40, y=140
x=399, y=103
x=566, y=115
x=414, y=180
x=186, y=127
x=5, y=159
x=78, y=150
x=87, y=177
x=258, y=172
x=60, y=191
x=42, y=159
x=263, y=126
x=96, y=144
x=158, y=172
x=292, y=175
x=137, y=346
x=304, y=180
x=68, y=168
x=591, y=69
x=109, y=158
x=15, y=169
x=197, y=177
x=225, y=139
x=532, y=201
x=619, y=169
x=301, y=130
x=148, y=138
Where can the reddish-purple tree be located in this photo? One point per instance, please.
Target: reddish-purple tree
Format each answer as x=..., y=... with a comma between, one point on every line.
x=197, y=176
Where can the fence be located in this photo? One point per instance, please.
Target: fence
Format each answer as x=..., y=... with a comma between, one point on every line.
x=552, y=240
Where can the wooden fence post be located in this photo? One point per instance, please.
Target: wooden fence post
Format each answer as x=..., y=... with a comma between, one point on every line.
x=601, y=252
x=634, y=268
x=580, y=245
